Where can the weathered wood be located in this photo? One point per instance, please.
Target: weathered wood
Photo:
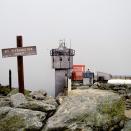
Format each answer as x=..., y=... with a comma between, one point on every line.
x=10, y=79
x=20, y=66
x=20, y=51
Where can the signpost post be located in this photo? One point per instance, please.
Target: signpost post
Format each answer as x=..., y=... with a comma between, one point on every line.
x=10, y=79
x=20, y=66
x=19, y=52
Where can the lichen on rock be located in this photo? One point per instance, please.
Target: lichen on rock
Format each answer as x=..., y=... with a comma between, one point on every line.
x=14, y=119
x=12, y=123
x=93, y=108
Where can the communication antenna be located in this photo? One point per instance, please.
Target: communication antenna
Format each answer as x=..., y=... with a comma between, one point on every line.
x=64, y=42
x=69, y=60
x=70, y=43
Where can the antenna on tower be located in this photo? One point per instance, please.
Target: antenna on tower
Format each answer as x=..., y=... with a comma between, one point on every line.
x=64, y=42
x=70, y=43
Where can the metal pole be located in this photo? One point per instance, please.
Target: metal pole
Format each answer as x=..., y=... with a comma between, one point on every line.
x=10, y=80
x=20, y=66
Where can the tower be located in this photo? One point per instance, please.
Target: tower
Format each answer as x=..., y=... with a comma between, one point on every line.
x=62, y=62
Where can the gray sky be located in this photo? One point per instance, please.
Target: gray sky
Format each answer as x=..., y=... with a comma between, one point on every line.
x=99, y=30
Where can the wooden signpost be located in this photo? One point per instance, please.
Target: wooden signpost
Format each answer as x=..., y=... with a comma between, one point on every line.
x=19, y=52
x=10, y=79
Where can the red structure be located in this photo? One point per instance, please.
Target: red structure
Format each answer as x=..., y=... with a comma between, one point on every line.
x=77, y=73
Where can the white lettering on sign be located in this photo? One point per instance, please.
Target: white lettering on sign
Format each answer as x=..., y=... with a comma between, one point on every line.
x=20, y=51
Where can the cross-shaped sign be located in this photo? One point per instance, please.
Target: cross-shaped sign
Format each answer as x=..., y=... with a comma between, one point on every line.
x=20, y=51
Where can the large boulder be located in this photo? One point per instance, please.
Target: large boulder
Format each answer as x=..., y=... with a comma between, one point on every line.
x=38, y=95
x=85, y=110
x=48, y=105
x=18, y=99
x=38, y=106
x=14, y=119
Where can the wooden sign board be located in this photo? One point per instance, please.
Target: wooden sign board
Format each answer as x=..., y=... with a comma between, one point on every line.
x=20, y=51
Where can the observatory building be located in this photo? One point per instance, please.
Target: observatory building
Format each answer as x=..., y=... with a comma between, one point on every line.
x=62, y=62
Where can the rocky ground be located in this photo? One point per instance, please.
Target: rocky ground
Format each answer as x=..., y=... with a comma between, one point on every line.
x=122, y=90
x=91, y=108
x=20, y=113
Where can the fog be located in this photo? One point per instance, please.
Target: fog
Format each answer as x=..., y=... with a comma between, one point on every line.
x=119, y=81
x=99, y=31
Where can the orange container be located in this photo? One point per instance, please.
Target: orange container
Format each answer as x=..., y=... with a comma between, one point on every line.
x=77, y=73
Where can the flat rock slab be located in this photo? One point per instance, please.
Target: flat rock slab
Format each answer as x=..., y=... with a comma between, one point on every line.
x=91, y=92
x=38, y=106
x=19, y=101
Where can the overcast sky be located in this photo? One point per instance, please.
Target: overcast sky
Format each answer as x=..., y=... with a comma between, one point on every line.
x=99, y=30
